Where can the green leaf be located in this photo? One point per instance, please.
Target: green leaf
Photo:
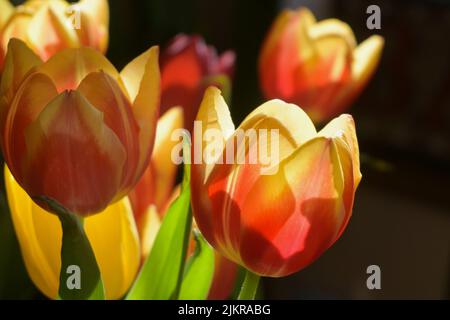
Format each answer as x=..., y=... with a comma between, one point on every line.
x=161, y=275
x=77, y=258
x=199, y=271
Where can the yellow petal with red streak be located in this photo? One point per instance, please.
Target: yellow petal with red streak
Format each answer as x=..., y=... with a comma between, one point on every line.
x=343, y=128
x=142, y=80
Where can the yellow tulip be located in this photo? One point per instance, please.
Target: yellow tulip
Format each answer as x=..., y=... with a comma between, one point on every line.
x=112, y=234
x=50, y=26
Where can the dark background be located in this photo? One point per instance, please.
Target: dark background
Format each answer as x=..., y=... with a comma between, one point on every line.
x=401, y=218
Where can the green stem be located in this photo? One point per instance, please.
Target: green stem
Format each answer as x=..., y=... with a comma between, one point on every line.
x=80, y=276
x=249, y=286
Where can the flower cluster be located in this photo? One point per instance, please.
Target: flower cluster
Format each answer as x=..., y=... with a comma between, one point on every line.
x=82, y=138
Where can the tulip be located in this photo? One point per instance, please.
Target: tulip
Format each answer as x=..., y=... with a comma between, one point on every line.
x=274, y=222
x=316, y=65
x=40, y=238
x=73, y=128
x=188, y=67
x=50, y=26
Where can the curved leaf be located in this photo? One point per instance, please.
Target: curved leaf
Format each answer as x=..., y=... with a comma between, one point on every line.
x=199, y=271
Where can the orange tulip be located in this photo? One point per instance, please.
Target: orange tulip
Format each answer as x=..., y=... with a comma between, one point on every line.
x=50, y=26
x=274, y=224
x=188, y=67
x=316, y=65
x=74, y=129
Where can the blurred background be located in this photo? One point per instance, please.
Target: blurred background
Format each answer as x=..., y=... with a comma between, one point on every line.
x=401, y=217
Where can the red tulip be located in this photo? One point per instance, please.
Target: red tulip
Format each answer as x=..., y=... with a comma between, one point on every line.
x=188, y=67
x=73, y=128
x=316, y=65
x=278, y=223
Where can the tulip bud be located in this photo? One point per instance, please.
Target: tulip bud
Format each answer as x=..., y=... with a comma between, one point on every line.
x=50, y=26
x=73, y=128
x=316, y=65
x=274, y=222
x=188, y=67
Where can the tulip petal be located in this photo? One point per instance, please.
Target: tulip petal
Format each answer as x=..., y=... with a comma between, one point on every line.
x=31, y=98
x=294, y=125
x=15, y=27
x=150, y=227
x=365, y=60
x=112, y=235
x=69, y=137
x=213, y=115
x=114, y=238
x=69, y=67
x=40, y=251
x=6, y=10
x=343, y=128
x=333, y=28
x=287, y=48
x=18, y=62
x=141, y=79
x=97, y=9
x=224, y=280
x=50, y=30
x=165, y=168
x=104, y=93
x=304, y=212
x=95, y=14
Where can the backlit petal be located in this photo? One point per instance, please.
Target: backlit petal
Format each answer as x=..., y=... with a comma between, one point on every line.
x=31, y=98
x=343, y=128
x=6, y=10
x=50, y=31
x=141, y=78
x=301, y=214
x=114, y=238
x=69, y=67
x=67, y=138
x=164, y=166
x=104, y=93
x=365, y=59
x=97, y=21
